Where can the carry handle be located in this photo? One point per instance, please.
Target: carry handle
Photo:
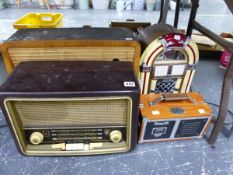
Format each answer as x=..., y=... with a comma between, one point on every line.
x=170, y=97
x=176, y=97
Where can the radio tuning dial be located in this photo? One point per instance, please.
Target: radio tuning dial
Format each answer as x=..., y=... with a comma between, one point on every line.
x=115, y=136
x=36, y=138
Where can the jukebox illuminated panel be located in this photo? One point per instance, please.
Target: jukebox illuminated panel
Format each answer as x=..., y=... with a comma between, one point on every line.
x=168, y=65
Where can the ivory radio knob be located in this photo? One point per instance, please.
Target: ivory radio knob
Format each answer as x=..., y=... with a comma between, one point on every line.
x=115, y=136
x=36, y=138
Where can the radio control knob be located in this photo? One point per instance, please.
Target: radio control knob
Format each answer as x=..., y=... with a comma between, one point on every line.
x=115, y=136
x=36, y=138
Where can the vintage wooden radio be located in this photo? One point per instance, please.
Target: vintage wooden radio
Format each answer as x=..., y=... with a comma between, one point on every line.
x=72, y=108
x=69, y=44
x=173, y=117
x=168, y=65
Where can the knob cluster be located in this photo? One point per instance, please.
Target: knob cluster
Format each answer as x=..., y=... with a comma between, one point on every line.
x=37, y=138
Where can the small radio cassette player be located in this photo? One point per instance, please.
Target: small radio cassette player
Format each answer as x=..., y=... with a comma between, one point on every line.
x=173, y=117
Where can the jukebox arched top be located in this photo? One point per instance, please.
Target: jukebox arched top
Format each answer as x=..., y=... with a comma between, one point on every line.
x=168, y=65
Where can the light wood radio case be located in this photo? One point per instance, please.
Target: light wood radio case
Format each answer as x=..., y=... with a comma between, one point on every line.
x=70, y=44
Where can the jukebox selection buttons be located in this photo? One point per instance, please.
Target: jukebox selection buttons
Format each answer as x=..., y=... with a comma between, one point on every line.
x=36, y=138
x=115, y=136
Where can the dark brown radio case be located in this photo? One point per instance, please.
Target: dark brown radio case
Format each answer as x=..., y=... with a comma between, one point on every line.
x=71, y=44
x=47, y=84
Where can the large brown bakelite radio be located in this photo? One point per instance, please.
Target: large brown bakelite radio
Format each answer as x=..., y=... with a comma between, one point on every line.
x=72, y=108
x=71, y=44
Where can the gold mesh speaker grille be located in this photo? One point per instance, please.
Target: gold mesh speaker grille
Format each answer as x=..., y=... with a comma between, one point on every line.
x=78, y=113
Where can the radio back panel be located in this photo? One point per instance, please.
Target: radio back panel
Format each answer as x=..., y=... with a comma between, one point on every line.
x=71, y=44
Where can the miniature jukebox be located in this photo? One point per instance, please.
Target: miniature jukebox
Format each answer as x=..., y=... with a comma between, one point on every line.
x=168, y=65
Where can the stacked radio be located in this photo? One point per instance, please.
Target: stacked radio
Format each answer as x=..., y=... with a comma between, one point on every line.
x=76, y=91
x=71, y=44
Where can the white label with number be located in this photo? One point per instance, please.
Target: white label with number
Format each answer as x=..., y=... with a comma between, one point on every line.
x=129, y=84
